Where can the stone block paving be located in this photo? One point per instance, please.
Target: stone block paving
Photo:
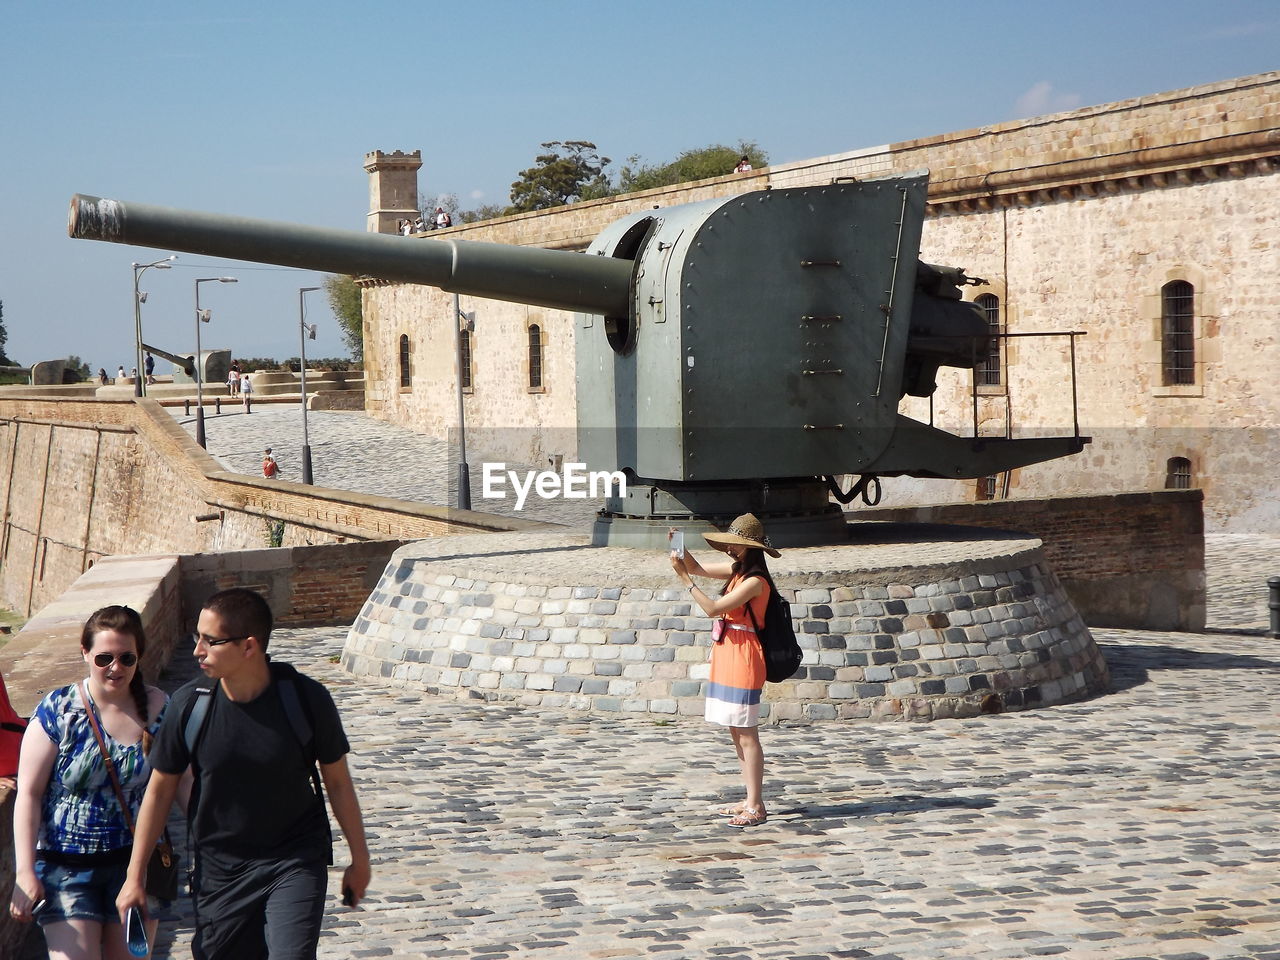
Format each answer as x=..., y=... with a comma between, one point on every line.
x=352, y=451
x=1137, y=824
x=1140, y=824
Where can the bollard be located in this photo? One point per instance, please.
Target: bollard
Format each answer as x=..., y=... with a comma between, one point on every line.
x=1274, y=603
x=186, y=408
x=217, y=404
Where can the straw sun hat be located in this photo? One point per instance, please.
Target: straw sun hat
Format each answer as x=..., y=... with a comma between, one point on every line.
x=746, y=530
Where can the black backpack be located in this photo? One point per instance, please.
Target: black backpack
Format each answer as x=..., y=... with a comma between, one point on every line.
x=782, y=653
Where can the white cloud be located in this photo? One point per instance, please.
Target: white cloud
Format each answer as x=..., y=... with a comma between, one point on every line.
x=1042, y=98
x=476, y=195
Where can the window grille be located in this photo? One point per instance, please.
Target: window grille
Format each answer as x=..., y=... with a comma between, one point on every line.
x=1177, y=323
x=406, y=377
x=988, y=371
x=1177, y=474
x=535, y=357
x=464, y=360
x=987, y=488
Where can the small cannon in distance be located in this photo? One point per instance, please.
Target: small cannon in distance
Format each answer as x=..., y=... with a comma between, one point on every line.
x=731, y=354
x=186, y=364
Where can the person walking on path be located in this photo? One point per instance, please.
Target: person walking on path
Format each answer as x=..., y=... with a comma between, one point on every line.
x=737, y=659
x=246, y=392
x=71, y=837
x=259, y=829
x=149, y=365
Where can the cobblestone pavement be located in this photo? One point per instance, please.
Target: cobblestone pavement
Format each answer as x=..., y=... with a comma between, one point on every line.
x=351, y=451
x=1140, y=824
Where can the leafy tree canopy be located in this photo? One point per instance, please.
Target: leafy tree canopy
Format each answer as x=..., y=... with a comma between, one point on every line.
x=4, y=336
x=344, y=300
x=77, y=369
x=699, y=164
x=569, y=170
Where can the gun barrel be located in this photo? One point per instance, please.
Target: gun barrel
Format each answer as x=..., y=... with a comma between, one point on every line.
x=547, y=278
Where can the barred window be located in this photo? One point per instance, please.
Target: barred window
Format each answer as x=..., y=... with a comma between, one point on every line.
x=1177, y=332
x=988, y=372
x=535, y=357
x=464, y=358
x=1177, y=474
x=987, y=488
x=406, y=376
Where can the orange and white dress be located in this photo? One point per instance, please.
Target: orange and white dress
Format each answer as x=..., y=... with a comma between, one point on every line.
x=737, y=667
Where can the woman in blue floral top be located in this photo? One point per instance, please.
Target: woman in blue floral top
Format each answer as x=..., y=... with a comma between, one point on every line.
x=71, y=841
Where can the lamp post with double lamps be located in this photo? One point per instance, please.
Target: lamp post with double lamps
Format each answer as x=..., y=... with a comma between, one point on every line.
x=305, y=333
x=138, y=300
x=202, y=316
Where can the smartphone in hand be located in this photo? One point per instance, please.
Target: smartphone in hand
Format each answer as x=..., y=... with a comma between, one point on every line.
x=677, y=544
x=135, y=932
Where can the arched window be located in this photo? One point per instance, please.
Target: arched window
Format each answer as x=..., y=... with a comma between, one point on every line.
x=1177, y=332
x=988, y=372
x=1177, y=474
x=535, y=357
x=464, y=357
x=406, y=376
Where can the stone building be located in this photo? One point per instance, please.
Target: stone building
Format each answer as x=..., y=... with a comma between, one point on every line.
x=1147, y=225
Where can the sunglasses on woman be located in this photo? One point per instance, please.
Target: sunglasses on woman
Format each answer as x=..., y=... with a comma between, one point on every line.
x=106, y=659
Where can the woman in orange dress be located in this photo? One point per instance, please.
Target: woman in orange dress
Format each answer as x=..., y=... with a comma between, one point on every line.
x=737, y=659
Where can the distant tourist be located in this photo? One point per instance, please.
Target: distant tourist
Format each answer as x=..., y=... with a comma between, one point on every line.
x=149, y=365
x=269, y=466
x=419, y=225
x=442, y=219
x=744, y=165
x=233, y=380
x=120, y=374
x=246, y=392
x=102, y=376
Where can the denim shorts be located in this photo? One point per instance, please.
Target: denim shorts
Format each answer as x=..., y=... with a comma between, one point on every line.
x=81, y=892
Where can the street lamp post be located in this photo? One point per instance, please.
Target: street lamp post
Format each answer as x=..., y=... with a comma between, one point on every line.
x=304, y=333
x=202, y=316
x=464, y=474
x=138, y=299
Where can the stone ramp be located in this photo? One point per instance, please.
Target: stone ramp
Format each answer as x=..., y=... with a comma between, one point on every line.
x=45, y=653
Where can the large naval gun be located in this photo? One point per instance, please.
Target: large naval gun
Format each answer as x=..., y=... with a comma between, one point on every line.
x=732, y=354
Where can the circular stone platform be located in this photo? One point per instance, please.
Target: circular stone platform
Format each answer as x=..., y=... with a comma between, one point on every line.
x=904, y=621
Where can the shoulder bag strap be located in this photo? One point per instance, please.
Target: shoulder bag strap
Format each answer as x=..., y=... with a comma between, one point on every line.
x=755, y=626
x=91, y=710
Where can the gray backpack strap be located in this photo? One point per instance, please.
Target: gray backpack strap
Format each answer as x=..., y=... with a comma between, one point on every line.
x=196, y=718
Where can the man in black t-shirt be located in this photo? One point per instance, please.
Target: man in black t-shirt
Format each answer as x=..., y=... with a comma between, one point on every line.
x=259, y=828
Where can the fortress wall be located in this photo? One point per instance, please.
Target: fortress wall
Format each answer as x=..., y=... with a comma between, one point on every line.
x=1077, y=218
x=1127, y=560
x=84, y=479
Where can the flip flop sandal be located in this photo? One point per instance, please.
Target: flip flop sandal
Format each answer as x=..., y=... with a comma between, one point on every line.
x=729, y=811
x=749, y=818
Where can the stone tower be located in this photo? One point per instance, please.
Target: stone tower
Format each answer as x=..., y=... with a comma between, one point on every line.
x=393, y=188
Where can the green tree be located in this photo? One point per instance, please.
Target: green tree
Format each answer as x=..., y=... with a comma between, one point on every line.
x=486, y=211
x=4, y=336
x=569, y=170
x=78, y=367
x=344, y=300
x=715, y=160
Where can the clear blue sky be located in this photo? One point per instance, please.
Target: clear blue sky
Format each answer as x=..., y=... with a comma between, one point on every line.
x=267, y=109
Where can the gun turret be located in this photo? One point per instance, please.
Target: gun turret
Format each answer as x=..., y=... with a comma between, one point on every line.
x=723, y=347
